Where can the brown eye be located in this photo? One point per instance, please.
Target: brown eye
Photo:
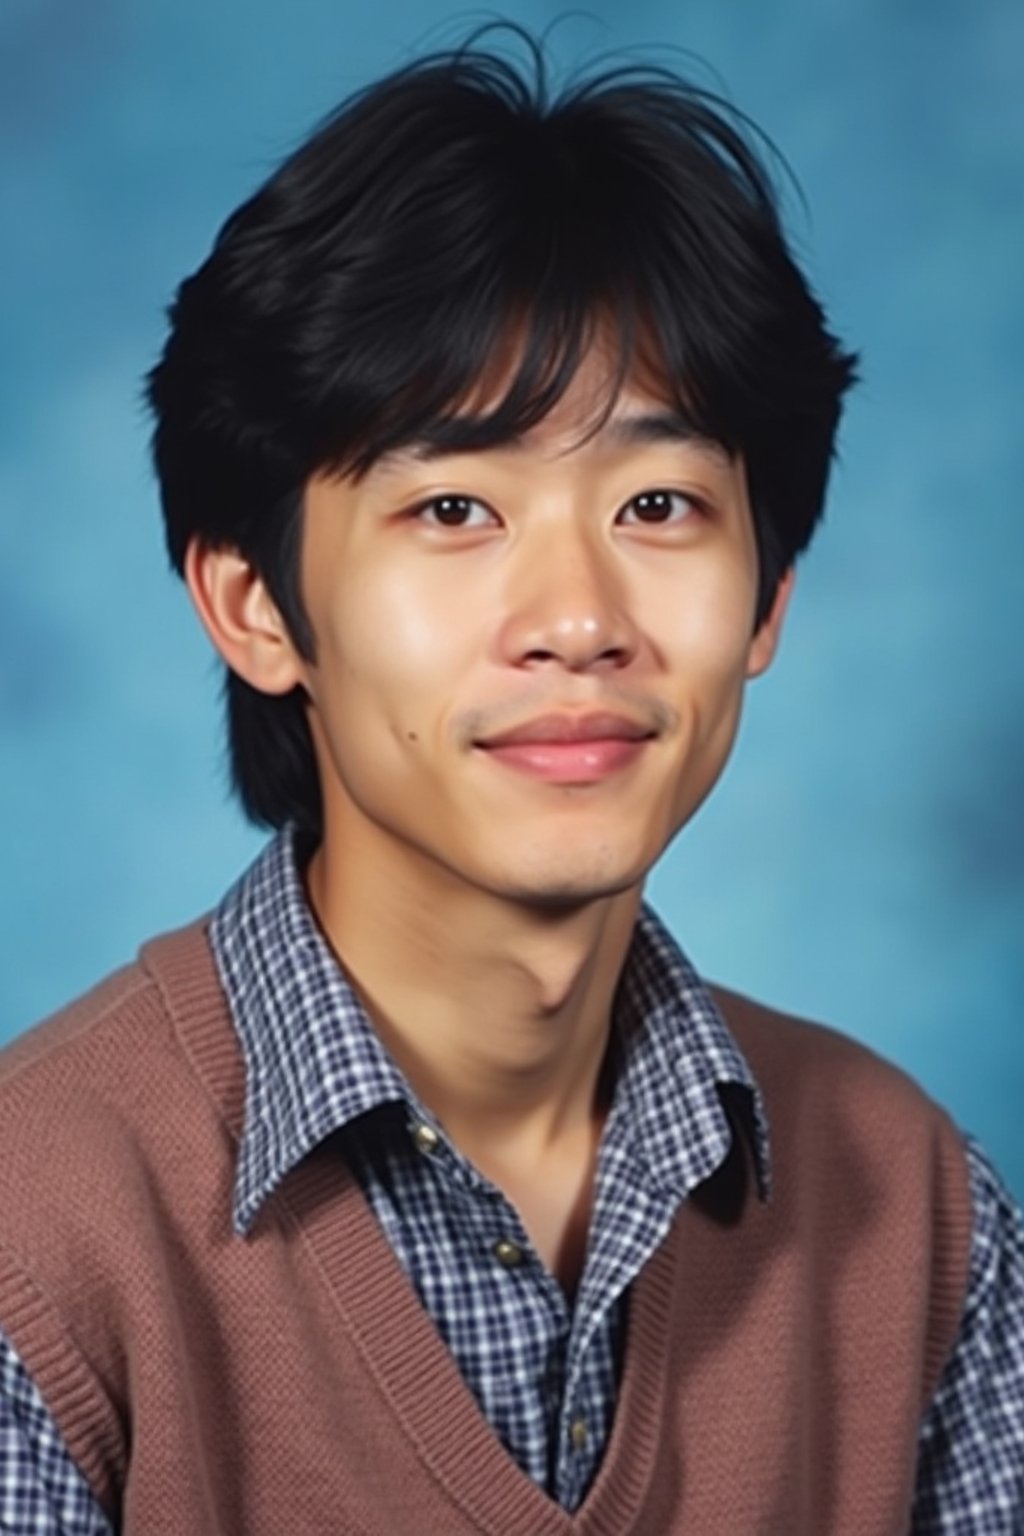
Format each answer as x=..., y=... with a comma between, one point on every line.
x=455, y=512
x=658, y=507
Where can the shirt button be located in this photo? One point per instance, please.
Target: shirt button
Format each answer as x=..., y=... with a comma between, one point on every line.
x=507, y=1252
x=426, y=1138
x=578, y=1433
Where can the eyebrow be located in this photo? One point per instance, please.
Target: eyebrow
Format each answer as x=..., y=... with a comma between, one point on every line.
x=464, y=435
x=662, y=427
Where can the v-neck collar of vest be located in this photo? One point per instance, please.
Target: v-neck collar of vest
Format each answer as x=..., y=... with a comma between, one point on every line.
x=419, y=1379
x=406, y=1356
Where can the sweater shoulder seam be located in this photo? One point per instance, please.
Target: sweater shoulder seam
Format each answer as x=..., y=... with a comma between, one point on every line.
x=14, y=1072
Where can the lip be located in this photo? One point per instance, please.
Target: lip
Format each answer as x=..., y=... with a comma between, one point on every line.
x=570, y=749
x=569, y=729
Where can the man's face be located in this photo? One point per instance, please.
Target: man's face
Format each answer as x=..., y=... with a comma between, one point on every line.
x=531, y=659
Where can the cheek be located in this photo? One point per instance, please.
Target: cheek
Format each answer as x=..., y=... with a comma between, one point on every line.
x=707, y=624
x=388, y=655
x=707, y=657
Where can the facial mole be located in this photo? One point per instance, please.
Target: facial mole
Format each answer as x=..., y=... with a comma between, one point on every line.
x=413, y=736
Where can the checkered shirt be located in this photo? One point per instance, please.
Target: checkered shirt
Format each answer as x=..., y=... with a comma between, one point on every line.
x=544, y=1372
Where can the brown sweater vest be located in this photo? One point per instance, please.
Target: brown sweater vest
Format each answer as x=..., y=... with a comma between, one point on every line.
x=778, y=1358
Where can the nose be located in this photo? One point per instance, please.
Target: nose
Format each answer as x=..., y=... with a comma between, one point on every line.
x=568, y=607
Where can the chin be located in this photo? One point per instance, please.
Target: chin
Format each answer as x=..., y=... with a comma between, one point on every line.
x=562, y=888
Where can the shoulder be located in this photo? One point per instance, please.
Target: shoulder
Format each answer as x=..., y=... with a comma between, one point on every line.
x=126, y=1008
x=106, y=1121
x=865, y=1165
x=801, y=1062
x=95, y=1106
x=850, y=1124
x=71, y=1066
x=84, y=1074
x=113, y=1004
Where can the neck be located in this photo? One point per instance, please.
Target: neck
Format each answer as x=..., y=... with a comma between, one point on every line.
x=498, y=1013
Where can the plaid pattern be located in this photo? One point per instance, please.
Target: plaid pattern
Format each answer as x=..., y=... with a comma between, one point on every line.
x=42, y=1492
x=971, y=1469
x=536, y=1365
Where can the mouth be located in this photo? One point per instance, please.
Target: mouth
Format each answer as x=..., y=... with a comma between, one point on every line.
x=570, y=749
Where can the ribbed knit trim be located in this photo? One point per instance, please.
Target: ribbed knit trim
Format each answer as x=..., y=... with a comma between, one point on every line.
x=406, y=1356
x=950, y=1260
x=70, y=1389
x=182, y=965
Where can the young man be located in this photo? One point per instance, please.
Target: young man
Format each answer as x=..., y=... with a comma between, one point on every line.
x=425, y=1186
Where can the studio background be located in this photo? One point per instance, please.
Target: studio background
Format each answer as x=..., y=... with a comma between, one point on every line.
x=862, y=861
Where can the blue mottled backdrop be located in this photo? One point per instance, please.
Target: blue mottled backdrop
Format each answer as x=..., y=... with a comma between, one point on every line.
x=863, y=860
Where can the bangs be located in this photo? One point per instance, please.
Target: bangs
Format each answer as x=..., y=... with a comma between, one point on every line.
x=492, y=384
x=544, y=250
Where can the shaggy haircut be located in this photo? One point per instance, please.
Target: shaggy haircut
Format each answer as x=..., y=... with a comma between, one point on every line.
x=350, y=306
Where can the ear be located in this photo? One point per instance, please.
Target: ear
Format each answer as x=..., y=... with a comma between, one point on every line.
x=766, y=639
x=241, y=618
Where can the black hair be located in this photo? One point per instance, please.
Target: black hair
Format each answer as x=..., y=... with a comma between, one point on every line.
x=352, y=304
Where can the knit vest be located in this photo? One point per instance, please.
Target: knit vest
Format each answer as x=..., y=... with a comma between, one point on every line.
x=778, y=1357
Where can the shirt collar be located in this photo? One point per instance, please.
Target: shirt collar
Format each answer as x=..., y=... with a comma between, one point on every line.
x=678, y=1053
x=314, y=1062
